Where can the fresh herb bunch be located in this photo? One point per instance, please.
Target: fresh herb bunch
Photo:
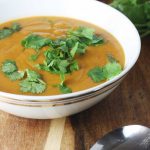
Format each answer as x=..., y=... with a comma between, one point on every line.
x=8, y=31
x=138, y=11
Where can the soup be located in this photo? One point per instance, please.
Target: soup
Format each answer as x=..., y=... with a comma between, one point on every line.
x=54, y=55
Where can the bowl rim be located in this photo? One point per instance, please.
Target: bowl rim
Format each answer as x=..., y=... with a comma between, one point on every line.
x=33, y=98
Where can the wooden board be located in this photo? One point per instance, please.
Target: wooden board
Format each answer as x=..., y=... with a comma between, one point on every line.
x=128, y=104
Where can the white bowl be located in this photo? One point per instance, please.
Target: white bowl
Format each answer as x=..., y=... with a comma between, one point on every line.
x=102, y=15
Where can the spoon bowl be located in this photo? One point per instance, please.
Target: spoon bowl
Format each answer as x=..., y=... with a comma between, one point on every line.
x=132, y=137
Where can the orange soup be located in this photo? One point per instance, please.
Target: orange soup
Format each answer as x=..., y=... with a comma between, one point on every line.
x=68, y=55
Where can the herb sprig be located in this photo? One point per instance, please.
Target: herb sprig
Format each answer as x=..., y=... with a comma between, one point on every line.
x=8, y=31
x=138, y=11
x=10, y=69
x=110, y=70
x=35, y=42
x=33, y=83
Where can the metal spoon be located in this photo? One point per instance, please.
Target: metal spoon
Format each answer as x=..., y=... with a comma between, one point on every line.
x=132, y=137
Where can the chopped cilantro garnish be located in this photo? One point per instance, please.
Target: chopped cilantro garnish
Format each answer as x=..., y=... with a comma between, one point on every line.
x=10, y=69
x=35, y=41
x=110, y=70
x=60, y=58
x=8, y=31
x=33, y=83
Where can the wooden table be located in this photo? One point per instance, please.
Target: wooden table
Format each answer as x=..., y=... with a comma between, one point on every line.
x=128, y=104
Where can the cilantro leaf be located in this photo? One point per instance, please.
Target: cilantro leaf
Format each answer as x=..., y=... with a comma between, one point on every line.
x=16, y=75
x=62, y=65
x=97, y=40
x=33, y=83
x=32, y=75
x=74, y=66
x=9, y=66
x=83, y=32
x=110, y=70
x=64, y=89
x=5, y=32
x=85, y=37
x=35, y=41
x=10, y=69
x=74, y=49
x=31, y=86
x=8, y=31
x=97, y=74
x=16, y=27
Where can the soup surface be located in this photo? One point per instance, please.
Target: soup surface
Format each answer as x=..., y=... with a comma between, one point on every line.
x=54, y=28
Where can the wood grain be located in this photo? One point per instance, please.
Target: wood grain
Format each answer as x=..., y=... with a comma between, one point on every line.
x=128, y=104
x=54, y=137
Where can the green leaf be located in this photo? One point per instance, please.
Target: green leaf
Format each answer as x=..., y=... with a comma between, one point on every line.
x=8, y=31
x=32, y=75
x=83, y=32
x=16, y=27
x=97, y=40
x=35, y=42
x=30, y=86
x=16, y=75
x=33, y=83
x=5, y=32
x=9, y=66
x=74, y=66
x=147, y=9
x=97, y=74
x=74, y=49
x=64, y=89
x=62, y=65
x=138, y=11
x=112, y=69
x=10, y=69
